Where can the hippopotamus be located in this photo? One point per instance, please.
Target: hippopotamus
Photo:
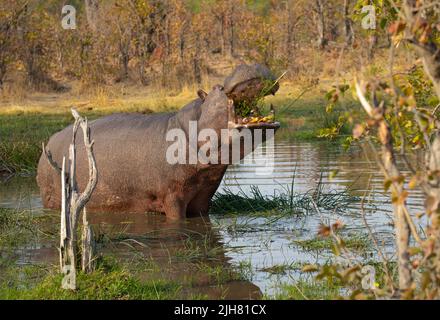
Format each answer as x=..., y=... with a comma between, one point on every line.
x=130, y=150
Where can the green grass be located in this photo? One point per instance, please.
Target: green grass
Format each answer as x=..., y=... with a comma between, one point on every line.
x=16, y=229
x=282, y=203
x=307, y=119
x=308, y=290
x=110, y=281
x=21, y=136
x=103, y=284
x=360, y=243
x=222, y=275
x=284, y=268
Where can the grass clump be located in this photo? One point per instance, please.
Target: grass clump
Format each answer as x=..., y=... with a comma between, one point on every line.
x=282, y=269
x=231, y=202
x=360, y=243
x=281, y=203
x=222, y=275
x=308, y=290
x=16, y=228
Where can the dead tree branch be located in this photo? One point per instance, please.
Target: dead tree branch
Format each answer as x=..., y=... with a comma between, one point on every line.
x=72, y=204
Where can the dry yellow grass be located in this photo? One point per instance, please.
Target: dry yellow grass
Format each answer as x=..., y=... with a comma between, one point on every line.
x=103, y=100
x=108, y=100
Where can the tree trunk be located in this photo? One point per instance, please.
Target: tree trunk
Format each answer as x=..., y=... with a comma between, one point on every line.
x=232, y=31
x=428, y=52
x=348, y=24
x=88, y=246
x=223, y=44
x=401, y=226
x=124, y=58
x=320, y=24
x=182, y=42
x=290, y=35
x=372, y=42
x=228, y=31
x=92, y=7
x=196, y=63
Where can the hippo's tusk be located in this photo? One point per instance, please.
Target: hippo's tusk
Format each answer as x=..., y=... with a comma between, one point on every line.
x=232, y=119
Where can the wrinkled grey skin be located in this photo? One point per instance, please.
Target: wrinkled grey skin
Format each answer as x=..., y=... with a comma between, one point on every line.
x=133, y=172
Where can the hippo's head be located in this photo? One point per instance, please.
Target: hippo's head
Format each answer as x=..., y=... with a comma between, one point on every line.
x=242, y=89
x=218, y=112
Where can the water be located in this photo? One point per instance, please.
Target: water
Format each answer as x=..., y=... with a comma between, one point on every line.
x=251, y=241
x=311, y=164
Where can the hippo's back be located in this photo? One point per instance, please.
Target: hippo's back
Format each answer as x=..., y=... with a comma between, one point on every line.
x=125, y=146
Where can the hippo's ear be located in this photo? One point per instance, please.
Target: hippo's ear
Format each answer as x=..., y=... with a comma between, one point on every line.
x=202, y=94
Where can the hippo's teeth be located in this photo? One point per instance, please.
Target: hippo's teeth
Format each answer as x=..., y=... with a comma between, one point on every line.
x=231, y=111
x=272, y=110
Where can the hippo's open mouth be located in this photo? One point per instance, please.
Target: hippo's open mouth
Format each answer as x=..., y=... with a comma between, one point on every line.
x=258, y=122
x=245, y=87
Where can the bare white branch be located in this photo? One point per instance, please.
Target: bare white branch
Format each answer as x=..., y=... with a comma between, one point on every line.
x=364, y=102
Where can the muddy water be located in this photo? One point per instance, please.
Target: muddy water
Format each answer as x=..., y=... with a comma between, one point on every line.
x=250, y=244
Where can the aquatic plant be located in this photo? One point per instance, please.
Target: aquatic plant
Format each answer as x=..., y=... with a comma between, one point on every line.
x=285, y=202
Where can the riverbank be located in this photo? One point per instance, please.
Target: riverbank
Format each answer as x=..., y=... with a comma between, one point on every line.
x=26, y=124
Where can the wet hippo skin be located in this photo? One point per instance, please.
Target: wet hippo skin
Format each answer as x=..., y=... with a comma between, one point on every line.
x=133, y=172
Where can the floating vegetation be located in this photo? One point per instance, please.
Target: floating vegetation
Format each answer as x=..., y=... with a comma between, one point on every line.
x=308, y=289
x=282, y=269
x=287, y=202
x=356, y=242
